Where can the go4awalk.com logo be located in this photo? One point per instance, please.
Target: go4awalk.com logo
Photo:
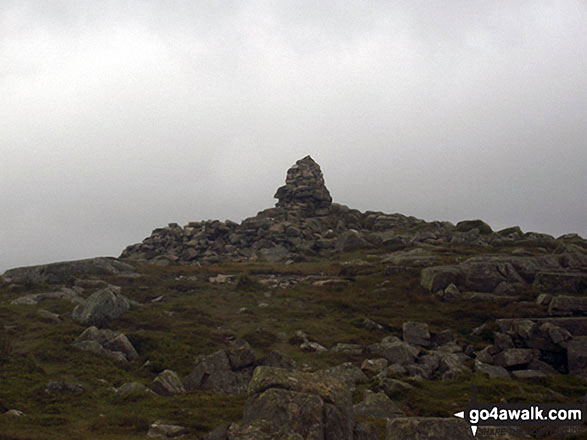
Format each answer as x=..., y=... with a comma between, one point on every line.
x=522, y=414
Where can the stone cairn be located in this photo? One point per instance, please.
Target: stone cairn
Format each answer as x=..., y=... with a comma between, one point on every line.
x=304, y=189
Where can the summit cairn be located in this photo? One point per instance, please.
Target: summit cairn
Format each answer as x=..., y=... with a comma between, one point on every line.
x=304, y=189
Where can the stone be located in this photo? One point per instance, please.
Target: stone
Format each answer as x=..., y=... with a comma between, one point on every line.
x=61, y=273
x=163, y=431
x=342, y=347
x=167, y=383
x=416, y=333
x=513, y=357
x=347, y=373
x=528, y=374
x=538, y=365
x=304, y=189
x=214, y=373
x=121, y=344
x=96, y=348
x=427, y=428
x=395, y=352
x=563, y=305
x=240, y=354
x=577, y=356
x=311, y=405
x=58, y=387
x=377, y=405
x=365, y=431
x=444, y=337
x=372, y=367
x=492, y=371
x=439, y=277
x=349, y=241
x=101, y=307
x=132, y=389
x=277, y=359
x=502, y=341
x=468, y=225
x=393, y=387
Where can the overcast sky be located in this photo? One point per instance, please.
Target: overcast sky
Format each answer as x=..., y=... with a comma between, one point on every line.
x=118, y=117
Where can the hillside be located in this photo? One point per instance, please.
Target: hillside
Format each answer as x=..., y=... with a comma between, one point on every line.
x=309, y=320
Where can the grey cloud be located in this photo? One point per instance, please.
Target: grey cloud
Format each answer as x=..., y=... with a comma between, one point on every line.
x=119, y=117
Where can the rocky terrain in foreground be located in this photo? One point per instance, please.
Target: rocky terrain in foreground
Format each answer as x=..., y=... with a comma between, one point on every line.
x=310, y=320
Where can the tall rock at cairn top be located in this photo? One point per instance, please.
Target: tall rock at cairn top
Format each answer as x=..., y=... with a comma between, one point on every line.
x=304, y=189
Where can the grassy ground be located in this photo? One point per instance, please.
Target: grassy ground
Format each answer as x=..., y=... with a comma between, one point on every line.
x=196, y=317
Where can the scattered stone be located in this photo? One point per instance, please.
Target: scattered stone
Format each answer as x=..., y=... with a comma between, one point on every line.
x=342, y=347
x=222, y=279
x=132, y=388
x=365, y=431
x=14, y=413
x=577, y=357
x=372, y=367
x=514, y=357
x=528, y=374
x=492, y=371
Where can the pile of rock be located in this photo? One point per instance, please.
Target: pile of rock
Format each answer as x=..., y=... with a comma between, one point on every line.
x=304, y=189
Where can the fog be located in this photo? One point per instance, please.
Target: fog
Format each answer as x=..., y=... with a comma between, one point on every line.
x=118, y=117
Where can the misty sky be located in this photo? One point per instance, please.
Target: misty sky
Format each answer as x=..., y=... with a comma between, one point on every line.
x=118, y=117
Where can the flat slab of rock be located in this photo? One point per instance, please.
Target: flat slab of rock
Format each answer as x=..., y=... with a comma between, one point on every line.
x=167, y=383
x=161, y=430
x=62, y=272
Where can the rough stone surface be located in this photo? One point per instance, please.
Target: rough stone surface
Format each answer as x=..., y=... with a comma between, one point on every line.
x=416, y=333
x=101, y=307
x=314, y=406
x=304, y=189
x=167, y=383
x=377, y=405
x=60, y=273
x=162, y=430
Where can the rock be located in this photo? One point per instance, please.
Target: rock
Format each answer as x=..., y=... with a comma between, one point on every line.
x=444, y=337
x=49, y=317
x=502, y=341
x=132, y=389
x=513, y=357
x=14, y=413
x=365, y=431
x=427, y=428
x=439, y=277
x=538, y=365
x=395, y=353
x=121, y=344
x=312, y=347
x=492, y=371
x=167, y=383
x=342, y=347
x=468, y=225
x=393, y=387
x=101, y=307
x=347, y=373
x=277, y=359
x=57, y=387
x=275, y=254
x=311, y=405
x=214, y=373
x=61, y=273
x=377, y=405
x=528, y=374
x=544, y=299
x=304, y=190
x=486, y=354
x=161, y=430
x=561, y=282
x=222, y=279
x=96, y=347
x=372, y=367
x=577, y=356
x=349, y=241
x=240, y=354
x=563, y=305
x=416, y=333
x=71, y=295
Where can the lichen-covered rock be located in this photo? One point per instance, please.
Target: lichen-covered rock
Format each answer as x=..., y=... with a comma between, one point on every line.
x=312, y=405
x=101, y=307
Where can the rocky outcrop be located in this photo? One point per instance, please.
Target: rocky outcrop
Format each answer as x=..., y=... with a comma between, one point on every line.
x=61, y=273
x=101, y=307
x=295, y=403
